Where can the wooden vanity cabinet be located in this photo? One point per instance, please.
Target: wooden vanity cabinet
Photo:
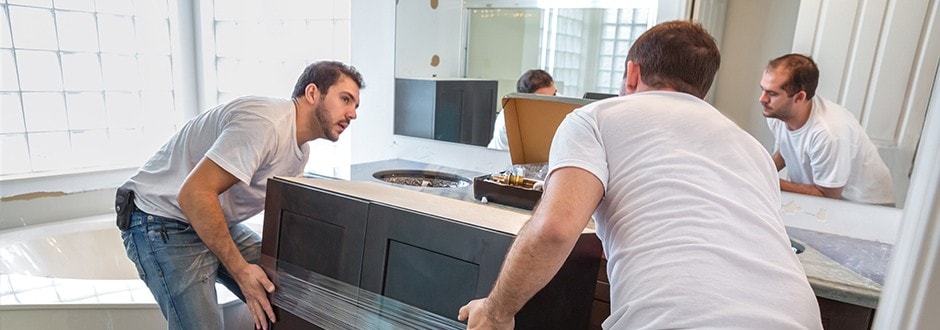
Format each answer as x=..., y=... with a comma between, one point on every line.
x=837, y=315
x=427, y=261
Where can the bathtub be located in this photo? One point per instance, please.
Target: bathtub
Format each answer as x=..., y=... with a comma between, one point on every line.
x=74, y=274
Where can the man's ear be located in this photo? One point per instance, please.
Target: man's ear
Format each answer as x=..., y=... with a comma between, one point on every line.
x=800, y=96
x=632, y=78
x=312, y=93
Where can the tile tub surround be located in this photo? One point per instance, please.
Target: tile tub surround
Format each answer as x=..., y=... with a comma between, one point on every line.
x=810, y=221
x=90, y=294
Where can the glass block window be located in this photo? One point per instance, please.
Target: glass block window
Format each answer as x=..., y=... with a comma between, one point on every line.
x=84, y=84
x=261, y=47
x=620, y=27
x=562, y=48
x=568, y=35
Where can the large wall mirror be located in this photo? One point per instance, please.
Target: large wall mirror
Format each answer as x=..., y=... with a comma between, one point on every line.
x=442, y=44
x=583, y=45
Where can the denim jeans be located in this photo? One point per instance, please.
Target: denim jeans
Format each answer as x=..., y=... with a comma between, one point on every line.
x=181, y=271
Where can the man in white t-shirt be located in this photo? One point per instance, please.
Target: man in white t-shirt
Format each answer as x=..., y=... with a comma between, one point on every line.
x=180, y=214
x=535, y=81
x=825, y=150
x=686, y=204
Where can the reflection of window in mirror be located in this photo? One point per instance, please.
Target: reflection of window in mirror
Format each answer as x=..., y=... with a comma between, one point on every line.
x=582, y=48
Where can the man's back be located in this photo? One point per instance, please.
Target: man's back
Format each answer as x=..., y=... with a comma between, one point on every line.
x=690, y=219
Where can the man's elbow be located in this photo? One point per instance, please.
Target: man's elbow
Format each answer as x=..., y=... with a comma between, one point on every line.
x=186, y=196
x=557, y=234
x=834, y=193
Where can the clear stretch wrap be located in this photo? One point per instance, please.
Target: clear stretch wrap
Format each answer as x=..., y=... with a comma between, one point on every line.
x=331, y=304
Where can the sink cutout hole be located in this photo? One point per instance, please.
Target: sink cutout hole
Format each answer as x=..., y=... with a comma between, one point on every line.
x=797, y=247
x=418, y=178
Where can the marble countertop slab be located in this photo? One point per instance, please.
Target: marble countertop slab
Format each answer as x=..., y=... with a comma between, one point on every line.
x=831, y=280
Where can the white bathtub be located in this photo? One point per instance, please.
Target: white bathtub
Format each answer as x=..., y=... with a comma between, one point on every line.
x=75, y=275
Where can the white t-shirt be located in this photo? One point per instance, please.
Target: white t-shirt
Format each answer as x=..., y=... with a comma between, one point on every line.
x=499, y=140
x=832, y=150
x=690, y=220
x=252, y=138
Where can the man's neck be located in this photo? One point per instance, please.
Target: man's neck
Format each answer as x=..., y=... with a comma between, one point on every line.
x=302, y=117
x=800, y=116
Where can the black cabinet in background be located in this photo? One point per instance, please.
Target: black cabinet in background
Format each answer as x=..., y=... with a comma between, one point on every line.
x=458, y=110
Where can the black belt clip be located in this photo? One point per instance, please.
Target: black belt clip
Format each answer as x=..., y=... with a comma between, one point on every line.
x=124, y=207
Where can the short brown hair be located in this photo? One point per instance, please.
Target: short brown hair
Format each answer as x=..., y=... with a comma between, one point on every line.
x=324, y=74
x=804, y=75
x=533, y=80
x=678, y=54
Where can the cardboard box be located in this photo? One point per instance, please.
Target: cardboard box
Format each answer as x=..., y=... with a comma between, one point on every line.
x=531, y=122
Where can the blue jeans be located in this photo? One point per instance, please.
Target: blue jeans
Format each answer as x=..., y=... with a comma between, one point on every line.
x=181, y=271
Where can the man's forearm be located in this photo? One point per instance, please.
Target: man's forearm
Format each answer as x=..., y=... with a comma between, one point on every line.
x=799, y=188
x=811, y=189
x=206, y=217
x=531, y=263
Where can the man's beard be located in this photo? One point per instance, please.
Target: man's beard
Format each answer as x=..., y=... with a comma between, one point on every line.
x=766, y=113
x=323, y=118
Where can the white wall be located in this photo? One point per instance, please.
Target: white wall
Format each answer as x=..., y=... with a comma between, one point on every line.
x=501, y=46
x=751, y=38
x=428, y=32
x=911, y=295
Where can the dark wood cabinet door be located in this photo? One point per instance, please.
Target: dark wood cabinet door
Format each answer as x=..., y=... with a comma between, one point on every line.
x=439, y=265
x=429, y=262
x=837, y=315
x=317, y=230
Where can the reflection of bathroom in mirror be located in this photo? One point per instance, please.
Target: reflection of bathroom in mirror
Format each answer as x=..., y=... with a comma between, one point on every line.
x=583, y=44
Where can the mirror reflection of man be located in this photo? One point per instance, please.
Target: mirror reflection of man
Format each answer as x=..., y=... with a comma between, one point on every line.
x=535, y=81
x=827, y=151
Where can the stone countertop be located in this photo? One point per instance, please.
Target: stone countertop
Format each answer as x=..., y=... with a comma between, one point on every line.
x=838, y=268
x=365, y=171
x=841, y=268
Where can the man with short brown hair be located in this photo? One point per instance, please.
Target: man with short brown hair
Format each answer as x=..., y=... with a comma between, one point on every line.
x=686, y=205
x=825, y=150
x=180, y=215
